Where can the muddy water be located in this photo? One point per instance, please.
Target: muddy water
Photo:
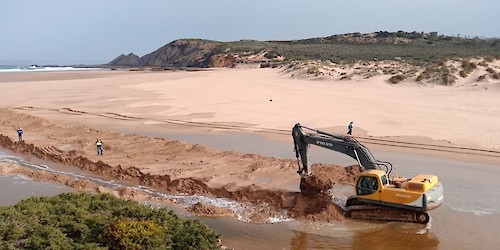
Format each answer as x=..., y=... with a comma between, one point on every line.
x=469, y=217
x=14, y=188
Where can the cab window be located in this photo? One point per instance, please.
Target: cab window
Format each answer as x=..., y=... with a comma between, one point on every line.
x=384, y=180
x=367, y=185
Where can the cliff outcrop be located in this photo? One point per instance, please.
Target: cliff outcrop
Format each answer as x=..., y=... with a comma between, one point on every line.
x=180, y=53
x=126, y=60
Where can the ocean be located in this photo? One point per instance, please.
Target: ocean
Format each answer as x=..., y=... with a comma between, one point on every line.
x=38, y=68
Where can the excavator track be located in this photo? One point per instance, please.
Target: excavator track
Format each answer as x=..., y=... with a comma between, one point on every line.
x=374, y=212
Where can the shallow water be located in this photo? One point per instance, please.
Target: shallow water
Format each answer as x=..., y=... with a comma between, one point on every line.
x=468, y=218
x=14, y=188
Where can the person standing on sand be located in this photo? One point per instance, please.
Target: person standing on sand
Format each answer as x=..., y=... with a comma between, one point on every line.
x=99, y=146
x=349, y=128
x=20, y=134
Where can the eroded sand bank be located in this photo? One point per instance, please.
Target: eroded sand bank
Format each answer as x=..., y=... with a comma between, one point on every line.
x=174, y=167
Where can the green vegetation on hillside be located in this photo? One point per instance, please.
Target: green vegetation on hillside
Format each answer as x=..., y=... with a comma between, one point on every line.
x=416, y=47
x=84, y=221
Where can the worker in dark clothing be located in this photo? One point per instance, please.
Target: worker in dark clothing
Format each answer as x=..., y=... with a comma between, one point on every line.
x=349, y=128
x=99, y=146
x=20, y=134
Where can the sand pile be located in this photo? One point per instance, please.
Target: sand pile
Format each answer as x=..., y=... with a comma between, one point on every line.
x=325, y=177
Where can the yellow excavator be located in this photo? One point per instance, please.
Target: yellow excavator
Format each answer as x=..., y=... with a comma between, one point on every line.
x=378, y=196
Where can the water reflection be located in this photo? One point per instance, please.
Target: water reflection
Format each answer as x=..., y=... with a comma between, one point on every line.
x=305, y=240
x=394, y=235
x=299, y=241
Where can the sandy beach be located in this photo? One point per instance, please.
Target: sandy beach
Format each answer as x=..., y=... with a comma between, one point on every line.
x=260, y=99
x=63, y=113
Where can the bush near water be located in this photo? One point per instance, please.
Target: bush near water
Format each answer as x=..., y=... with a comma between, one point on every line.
x=102, y=221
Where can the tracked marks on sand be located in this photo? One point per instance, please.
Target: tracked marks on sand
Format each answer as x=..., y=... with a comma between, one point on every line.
x=249, y=128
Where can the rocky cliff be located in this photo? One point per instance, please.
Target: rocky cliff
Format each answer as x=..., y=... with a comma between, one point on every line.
x=126, y=60
x=180, y=53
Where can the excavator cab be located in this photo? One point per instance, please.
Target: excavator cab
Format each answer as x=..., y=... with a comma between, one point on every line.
x=370, y=184
x=367, y=185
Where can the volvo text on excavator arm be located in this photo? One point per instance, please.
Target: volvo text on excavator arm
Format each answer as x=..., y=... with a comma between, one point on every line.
x=340, y=143
x=378, y=196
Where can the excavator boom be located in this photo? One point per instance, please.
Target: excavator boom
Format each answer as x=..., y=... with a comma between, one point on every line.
x=340, y=143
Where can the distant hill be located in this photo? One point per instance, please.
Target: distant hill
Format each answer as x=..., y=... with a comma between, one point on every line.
x=126, y=60
x=179, y=53
x=413, y=47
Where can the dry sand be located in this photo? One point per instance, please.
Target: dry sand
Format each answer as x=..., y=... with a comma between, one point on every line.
x=63, y=113
x=465, y=115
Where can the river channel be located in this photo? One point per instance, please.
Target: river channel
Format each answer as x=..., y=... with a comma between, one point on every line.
x=468, y=219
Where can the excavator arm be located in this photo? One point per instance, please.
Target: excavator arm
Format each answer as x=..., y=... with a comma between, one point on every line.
x=340, y=143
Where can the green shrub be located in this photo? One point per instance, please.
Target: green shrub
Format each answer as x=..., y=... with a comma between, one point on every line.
x=272, y=54
x=130, y=234
x=488, y=59
x=84, y=221
x=447, y=78
x=483, y=64
x=397, y=78
x=314, y=71
x=491, y=71
x=468, y=67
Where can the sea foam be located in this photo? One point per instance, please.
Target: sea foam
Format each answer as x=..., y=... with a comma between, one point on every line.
x=36, y=68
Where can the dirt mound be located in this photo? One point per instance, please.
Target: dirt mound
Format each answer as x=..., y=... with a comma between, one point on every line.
x=325, y=177
x=204, y=209
x=318, y=208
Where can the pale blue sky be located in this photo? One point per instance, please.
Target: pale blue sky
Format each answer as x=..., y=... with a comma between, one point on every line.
x=97, y=31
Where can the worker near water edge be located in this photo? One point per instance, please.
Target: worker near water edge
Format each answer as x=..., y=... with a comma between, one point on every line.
x=99, y=146
x=349, y=128
x=20, y=134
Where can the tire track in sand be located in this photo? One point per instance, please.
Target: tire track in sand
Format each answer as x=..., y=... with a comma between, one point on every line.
x=248, y=128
